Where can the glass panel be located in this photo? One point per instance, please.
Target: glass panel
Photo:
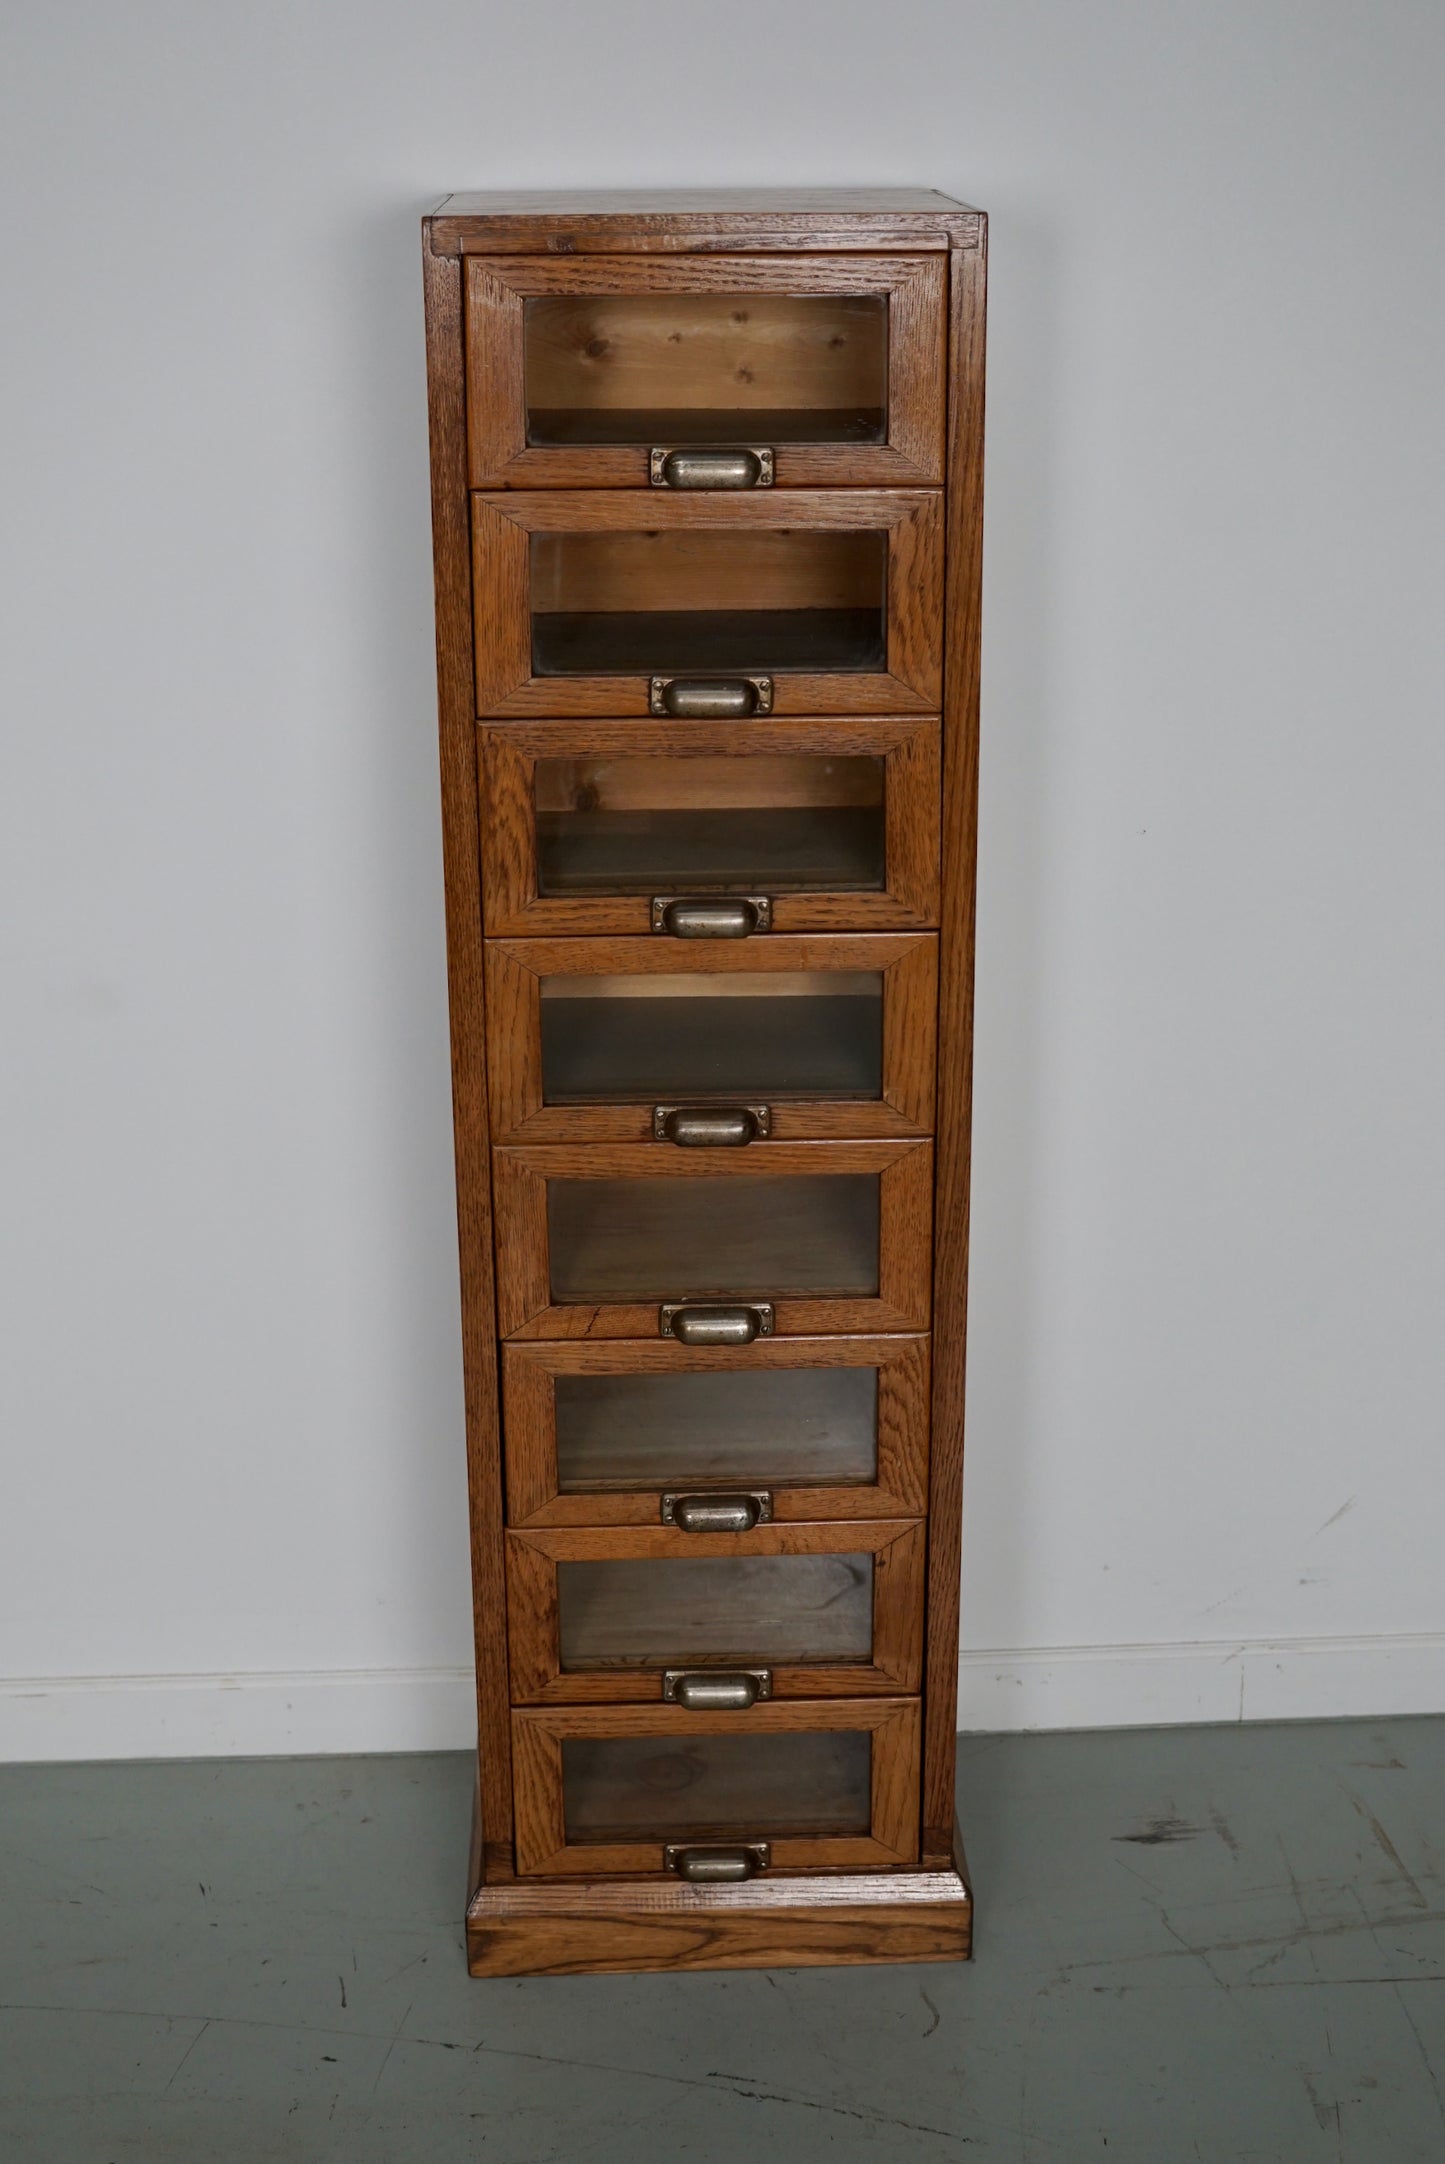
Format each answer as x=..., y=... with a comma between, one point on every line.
x=663, y=368
x=681, y=1239
x=769, y=825
x=767, y=1428
x=679, y=599
x=740, y=1788
x=754, y=1610
x=770, y=1034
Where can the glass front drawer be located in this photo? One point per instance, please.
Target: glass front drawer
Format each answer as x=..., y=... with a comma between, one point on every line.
x=836, y=822
x=598, y=1239
x=799, y=602
x=635, y=1613
x=580, y=371
x=822, y=1428
x=827, y=1784
x=788, y=1037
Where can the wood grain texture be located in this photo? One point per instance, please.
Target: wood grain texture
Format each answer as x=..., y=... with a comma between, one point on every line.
x=955, y=1078
x=496, y=293
x=538, y=1734
x=698, y=221
x=468, y=1032
x=532, y=1929
x=517, y=970
x=531, y=1371
x=533, y=1556
x=510, y=752
x=911, y=522
x=905, y=1173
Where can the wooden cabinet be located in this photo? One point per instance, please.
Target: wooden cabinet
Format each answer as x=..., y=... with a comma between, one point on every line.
x=707, y=483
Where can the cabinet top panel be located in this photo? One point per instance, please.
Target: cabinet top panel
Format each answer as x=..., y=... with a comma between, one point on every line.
x=697, y=220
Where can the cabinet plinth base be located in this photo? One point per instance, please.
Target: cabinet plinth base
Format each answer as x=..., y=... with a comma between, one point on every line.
x=518, y=1927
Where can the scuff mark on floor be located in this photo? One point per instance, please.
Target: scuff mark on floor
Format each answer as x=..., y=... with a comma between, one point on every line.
x=1160, y=1831
x=1223, y=1828
x=1387, y=1848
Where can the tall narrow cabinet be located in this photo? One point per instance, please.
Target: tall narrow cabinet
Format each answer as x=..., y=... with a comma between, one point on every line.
x=707, y=493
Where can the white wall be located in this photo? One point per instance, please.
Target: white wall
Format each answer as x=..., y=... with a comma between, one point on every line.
x=1207, y=1371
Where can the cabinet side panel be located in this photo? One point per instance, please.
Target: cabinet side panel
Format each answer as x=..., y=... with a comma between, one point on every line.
x=955, y=1072
x=461, y=865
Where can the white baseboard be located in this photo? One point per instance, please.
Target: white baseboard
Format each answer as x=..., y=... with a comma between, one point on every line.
x=238, y=1716
x=433, y=1709
x=1144, y=1686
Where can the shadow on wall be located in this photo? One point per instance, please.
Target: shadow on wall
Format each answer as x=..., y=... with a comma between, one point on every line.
x=1021, y=713
x=395, y=806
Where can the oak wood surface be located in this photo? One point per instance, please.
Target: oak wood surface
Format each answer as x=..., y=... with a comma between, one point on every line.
x=698, y=221
x=467, y=995
x=659, y=570
x=904, y=1171
x=620, y=357
x=658, y=755
x=530, y=1377
x=538, y=1734
x=685, y=347
x=597, y=1927
x=891, y=1666
x=955, y=1074
x=503, y=524
x=517, y=971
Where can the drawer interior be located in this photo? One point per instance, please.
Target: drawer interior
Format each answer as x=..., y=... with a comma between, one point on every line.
x=681, y=368
x=770, y=1034
x=789, y=1236
x=748, y=600
x=661, y=1612
x=717, y=1787
x=640, y=825
x=805, y=1426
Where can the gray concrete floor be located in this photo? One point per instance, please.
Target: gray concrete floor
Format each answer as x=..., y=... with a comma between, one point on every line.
x=1195, y=1946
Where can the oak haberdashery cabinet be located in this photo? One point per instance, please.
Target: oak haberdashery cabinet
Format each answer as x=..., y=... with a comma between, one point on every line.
x=707, y=494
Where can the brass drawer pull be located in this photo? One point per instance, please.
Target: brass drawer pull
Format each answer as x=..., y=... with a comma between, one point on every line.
x=692, y=1325
x=710, y=698
x=718, y=1513
x=682, y=918
x=716, y=1691
x=741, y=466
x=703, y=1127
x=717, y=1866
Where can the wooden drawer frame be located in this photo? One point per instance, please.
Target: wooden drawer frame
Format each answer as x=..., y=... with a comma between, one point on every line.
x=519, y=1199
x=508, y=754
x=498, y=288
x=908, y=962
x=503, y=524
x=538, y=1734
x=533, y=1556
x=529, y=1412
